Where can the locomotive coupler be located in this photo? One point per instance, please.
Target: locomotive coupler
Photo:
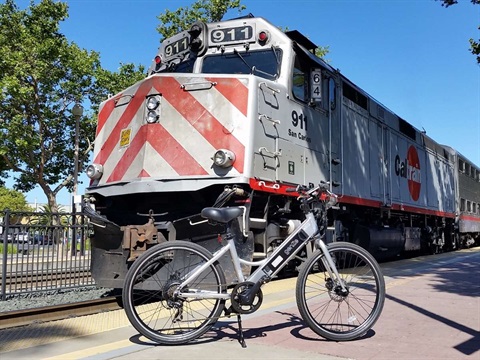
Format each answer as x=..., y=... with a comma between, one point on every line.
x=137, y=237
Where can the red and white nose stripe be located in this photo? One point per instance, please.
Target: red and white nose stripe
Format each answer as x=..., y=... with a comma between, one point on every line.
x=192, y=126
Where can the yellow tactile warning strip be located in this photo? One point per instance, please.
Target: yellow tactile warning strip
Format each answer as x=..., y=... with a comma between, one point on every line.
x=44, y=333
x=92, y=351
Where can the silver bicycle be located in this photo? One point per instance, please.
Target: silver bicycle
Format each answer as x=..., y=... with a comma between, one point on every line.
x=176, y=291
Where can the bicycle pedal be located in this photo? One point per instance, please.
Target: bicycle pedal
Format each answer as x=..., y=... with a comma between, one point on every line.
x=228, y=311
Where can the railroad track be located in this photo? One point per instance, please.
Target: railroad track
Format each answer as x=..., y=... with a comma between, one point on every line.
x=23, y=281
x=50, y=313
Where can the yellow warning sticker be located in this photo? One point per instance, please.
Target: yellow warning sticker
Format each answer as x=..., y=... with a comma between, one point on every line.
x=125, y=137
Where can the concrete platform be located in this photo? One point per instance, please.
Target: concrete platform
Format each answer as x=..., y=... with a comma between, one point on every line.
x=432, y=311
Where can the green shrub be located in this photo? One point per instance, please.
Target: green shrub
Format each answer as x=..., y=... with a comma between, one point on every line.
x=11, y=249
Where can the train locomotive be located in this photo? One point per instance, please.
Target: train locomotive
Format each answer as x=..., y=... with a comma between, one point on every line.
x=234, y=113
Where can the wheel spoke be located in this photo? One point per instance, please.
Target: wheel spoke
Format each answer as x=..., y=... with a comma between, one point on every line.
x=336, y=312
x=151, y=293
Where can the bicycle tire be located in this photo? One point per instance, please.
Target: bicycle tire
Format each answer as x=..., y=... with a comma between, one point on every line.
x=329, y=312
x=148, y=293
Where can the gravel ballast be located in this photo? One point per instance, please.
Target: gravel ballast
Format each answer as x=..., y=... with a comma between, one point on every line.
x=56, y=297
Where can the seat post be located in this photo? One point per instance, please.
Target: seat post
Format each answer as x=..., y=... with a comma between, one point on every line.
x=228, y=231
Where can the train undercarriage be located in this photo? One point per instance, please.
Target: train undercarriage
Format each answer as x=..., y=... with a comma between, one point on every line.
x=130, y=224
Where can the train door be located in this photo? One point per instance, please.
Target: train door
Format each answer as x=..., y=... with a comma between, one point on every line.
x=378, y=153
x=385, y=166
x=335, y=136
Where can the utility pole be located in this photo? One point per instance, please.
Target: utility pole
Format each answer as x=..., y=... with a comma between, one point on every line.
x=77, y=112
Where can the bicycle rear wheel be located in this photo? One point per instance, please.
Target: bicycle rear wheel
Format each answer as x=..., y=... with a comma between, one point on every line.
x=150, y=293
x=327, y=309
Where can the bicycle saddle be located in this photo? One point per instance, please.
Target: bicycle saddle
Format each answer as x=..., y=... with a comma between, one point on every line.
x=221, y=215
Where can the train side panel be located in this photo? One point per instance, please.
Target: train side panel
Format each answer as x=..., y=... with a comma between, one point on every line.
x=357, y=165
x=383, y=164
x=440, y=183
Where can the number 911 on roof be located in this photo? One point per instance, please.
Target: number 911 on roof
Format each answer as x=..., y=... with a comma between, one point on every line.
x=232, y=35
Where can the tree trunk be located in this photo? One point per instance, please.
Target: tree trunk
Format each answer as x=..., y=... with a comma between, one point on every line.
x=52, y=201
x=57, y=233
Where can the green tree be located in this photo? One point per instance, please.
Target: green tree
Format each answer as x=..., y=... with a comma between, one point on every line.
x=48, y=217
x=320, y=51
x=42, y=75
x=172, y=22
x=13, y=200
x=474, y=45
x=110, y=83
x=3, y=169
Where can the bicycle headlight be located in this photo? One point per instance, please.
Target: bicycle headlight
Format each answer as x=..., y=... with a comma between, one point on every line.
x=223, y=158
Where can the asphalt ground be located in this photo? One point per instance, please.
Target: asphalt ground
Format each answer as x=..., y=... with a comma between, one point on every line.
x=432, y=311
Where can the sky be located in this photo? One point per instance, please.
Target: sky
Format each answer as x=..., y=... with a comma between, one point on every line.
x=411, y=55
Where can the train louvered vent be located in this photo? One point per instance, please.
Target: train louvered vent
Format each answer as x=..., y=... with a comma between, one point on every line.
x=380, y=112
x=356, y=96
x=407, y=129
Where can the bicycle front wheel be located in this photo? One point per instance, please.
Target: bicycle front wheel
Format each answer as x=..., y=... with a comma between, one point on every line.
x=335, y=313
x=151, y=296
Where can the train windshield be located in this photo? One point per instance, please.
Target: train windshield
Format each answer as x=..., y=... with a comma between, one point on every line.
x=264, y=63
x=175, y=66
x=183, y=67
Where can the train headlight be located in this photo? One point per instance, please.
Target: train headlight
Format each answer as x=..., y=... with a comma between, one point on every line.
x=152, y=117
x=198, y=38
x=223, y=158
x=152, y=103
x=152, y=111
x=94, y=171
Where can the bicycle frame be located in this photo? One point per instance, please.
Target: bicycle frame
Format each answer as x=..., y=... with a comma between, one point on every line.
x=269, y=267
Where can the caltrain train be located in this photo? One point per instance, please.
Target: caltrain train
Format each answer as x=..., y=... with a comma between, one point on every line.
x=234, y=113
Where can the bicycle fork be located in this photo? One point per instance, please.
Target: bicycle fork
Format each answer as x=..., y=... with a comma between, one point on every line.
x=330, y=266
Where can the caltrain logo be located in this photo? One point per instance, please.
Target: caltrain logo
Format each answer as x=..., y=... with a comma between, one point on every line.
x=410, y=169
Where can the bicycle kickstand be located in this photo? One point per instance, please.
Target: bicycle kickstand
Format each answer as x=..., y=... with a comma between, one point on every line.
x=241, y=338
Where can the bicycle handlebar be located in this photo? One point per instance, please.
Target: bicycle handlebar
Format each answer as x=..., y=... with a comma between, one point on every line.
x=321, y=192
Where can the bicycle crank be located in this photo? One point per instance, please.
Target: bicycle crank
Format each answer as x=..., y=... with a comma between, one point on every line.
x=246, y=298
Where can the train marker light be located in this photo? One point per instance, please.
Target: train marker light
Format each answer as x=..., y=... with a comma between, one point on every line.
x=223, y=158
x=94, y=171
x=263, y=36
x=158, y=62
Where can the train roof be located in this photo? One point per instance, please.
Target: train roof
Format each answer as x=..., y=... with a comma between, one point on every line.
x=458, y=154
